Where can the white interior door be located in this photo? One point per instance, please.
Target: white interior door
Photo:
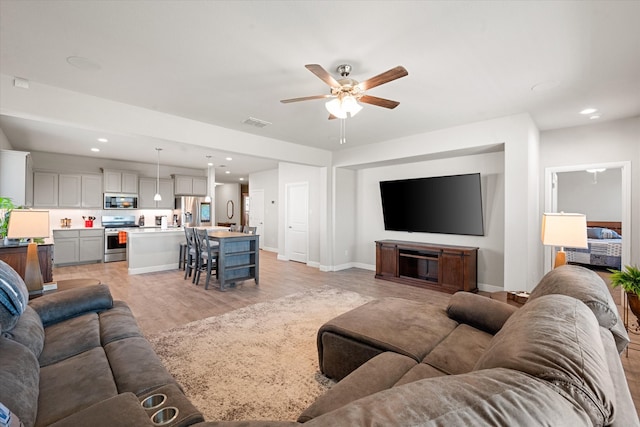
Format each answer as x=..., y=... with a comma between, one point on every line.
x=297, y=222
x=256, y=213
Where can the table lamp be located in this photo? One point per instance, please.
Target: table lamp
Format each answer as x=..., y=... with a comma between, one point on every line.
x=564, y=230
x=30, y=224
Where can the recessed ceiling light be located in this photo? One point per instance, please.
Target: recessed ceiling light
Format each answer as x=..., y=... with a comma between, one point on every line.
x=594, y=117
x=588, y=111
x=241, y=179
x=227, y=172
x=103, y=140
x=95, y=150
x=228, y=159
x=209, y=164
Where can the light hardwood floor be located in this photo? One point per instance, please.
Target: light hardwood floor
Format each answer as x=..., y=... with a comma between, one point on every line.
x=161, y=301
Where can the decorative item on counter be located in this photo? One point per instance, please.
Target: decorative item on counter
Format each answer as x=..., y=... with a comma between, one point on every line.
x=88, y=221
x=65, y=223
x=141, y=221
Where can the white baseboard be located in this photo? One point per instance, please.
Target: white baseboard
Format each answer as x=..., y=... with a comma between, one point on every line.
x=489, y=288
x=142, y=270
x=268, y=249
x=283, y=258
x=314, y=264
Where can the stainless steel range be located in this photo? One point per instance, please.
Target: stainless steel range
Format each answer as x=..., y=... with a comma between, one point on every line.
x=115, y=244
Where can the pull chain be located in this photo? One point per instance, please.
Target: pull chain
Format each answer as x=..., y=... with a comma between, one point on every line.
x=343, y=131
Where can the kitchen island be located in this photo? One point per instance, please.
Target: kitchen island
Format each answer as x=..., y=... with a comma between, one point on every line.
x=154, y=249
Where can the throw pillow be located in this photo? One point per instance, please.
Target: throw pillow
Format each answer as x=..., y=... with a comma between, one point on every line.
x=594, y=232
x=14, y=296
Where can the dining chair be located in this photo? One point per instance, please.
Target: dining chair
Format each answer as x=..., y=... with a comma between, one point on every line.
x=249, y=230
x=192, y=254
x=208, y=256
x=236, y=228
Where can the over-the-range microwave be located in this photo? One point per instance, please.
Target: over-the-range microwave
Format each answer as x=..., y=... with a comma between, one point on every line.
x=120, y=201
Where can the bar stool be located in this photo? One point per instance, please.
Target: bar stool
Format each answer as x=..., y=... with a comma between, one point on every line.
x=208, y=256
x=182, y=260
x=192, y=254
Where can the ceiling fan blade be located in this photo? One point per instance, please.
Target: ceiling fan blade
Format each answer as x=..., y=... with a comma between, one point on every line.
x=387, y=76
x=380, y=102
x=322, y=74
x=306, y=98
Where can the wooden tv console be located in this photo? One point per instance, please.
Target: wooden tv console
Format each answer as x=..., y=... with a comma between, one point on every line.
x=443, y=268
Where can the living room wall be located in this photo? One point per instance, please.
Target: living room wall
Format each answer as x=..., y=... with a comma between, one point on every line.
x=517, y=137
x=606, y=142
x=370, y=226
x=268, y=182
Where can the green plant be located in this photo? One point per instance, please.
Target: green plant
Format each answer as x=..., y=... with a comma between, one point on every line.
x=6, y=206
x=629, y=279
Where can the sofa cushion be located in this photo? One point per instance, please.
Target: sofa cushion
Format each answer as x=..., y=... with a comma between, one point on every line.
x=495, y=397
x=479, y=311
x=63, y=305
x=19, y=378
x=459, y=351
x=419, y=372
x=118, y=323
x=389, y=324
x=120, y=410
x=379, y=373
x=14, y=296
x=557, y=338
x=147, y=373
x=74, y=384
x=28, y=331
x=583, y=284
x=70, y=337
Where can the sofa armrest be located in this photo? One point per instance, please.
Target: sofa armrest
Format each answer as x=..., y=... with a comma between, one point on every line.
x=479, y=311
x=121, y=410
x=54, y=308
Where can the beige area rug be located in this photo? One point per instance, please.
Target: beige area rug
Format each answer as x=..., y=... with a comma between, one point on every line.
x=259, y=362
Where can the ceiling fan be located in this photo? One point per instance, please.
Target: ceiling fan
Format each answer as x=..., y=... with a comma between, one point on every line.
x=347, y=92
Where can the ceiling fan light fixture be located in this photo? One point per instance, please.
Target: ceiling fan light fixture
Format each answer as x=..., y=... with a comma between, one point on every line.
x=334, y=107
x=350, y=105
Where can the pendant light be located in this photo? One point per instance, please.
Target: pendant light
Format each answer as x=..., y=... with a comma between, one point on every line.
x=158, y=197
x=209, y=164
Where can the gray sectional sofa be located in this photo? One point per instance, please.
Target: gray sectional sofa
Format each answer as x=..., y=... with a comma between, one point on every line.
x=77, y=358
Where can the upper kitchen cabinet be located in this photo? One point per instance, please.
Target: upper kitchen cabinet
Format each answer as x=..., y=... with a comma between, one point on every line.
x=116, y=181
x=16, y=177
x=92, y=191
x=45, y=189
x=148, y=190
x=190, y=185
x=54, y=190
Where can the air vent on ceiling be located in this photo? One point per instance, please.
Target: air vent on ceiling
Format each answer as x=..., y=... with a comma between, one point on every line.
x=256, y=122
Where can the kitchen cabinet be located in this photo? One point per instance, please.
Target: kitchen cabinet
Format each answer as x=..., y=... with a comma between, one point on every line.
x=55, y=190
x=69, y=191
x=45, y=189
x=120, y=181
x=147, y=189
x=190, y=185
x=16, y=177
x=78, y=246
x=91, y=191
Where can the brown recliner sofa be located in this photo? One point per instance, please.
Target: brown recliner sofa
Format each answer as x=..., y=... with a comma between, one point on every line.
x=555, y=361
x=78, y=358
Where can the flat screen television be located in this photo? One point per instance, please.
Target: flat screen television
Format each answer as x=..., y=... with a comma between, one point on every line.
x=442, y=204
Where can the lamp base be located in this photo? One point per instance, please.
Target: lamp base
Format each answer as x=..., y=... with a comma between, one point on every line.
x=561, y=259
x=32, y=273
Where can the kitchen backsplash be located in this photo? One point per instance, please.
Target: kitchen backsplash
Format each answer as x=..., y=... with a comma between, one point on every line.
x=55, y=215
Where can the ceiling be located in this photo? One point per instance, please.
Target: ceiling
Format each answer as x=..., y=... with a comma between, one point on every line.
x=221, y=62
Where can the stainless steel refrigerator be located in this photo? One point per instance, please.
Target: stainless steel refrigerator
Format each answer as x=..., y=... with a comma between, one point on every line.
x=193, y=211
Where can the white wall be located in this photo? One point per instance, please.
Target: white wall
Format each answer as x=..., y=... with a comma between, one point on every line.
x=289, y=173
x=606, y=142
x=4, y=142
x=517, y=137
x=268, y=182
x=599, y=199
x=346, y=219
x=370, y=225
x=224, y=194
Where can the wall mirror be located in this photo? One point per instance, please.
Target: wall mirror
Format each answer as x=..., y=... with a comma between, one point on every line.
x=230, y=209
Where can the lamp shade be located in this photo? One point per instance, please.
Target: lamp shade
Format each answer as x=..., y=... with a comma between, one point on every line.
x=28, y=224
x=335, y=108
x=564, y=229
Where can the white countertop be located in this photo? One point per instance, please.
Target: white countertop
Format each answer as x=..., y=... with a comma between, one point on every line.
x=143, y=230
x=77, y=228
